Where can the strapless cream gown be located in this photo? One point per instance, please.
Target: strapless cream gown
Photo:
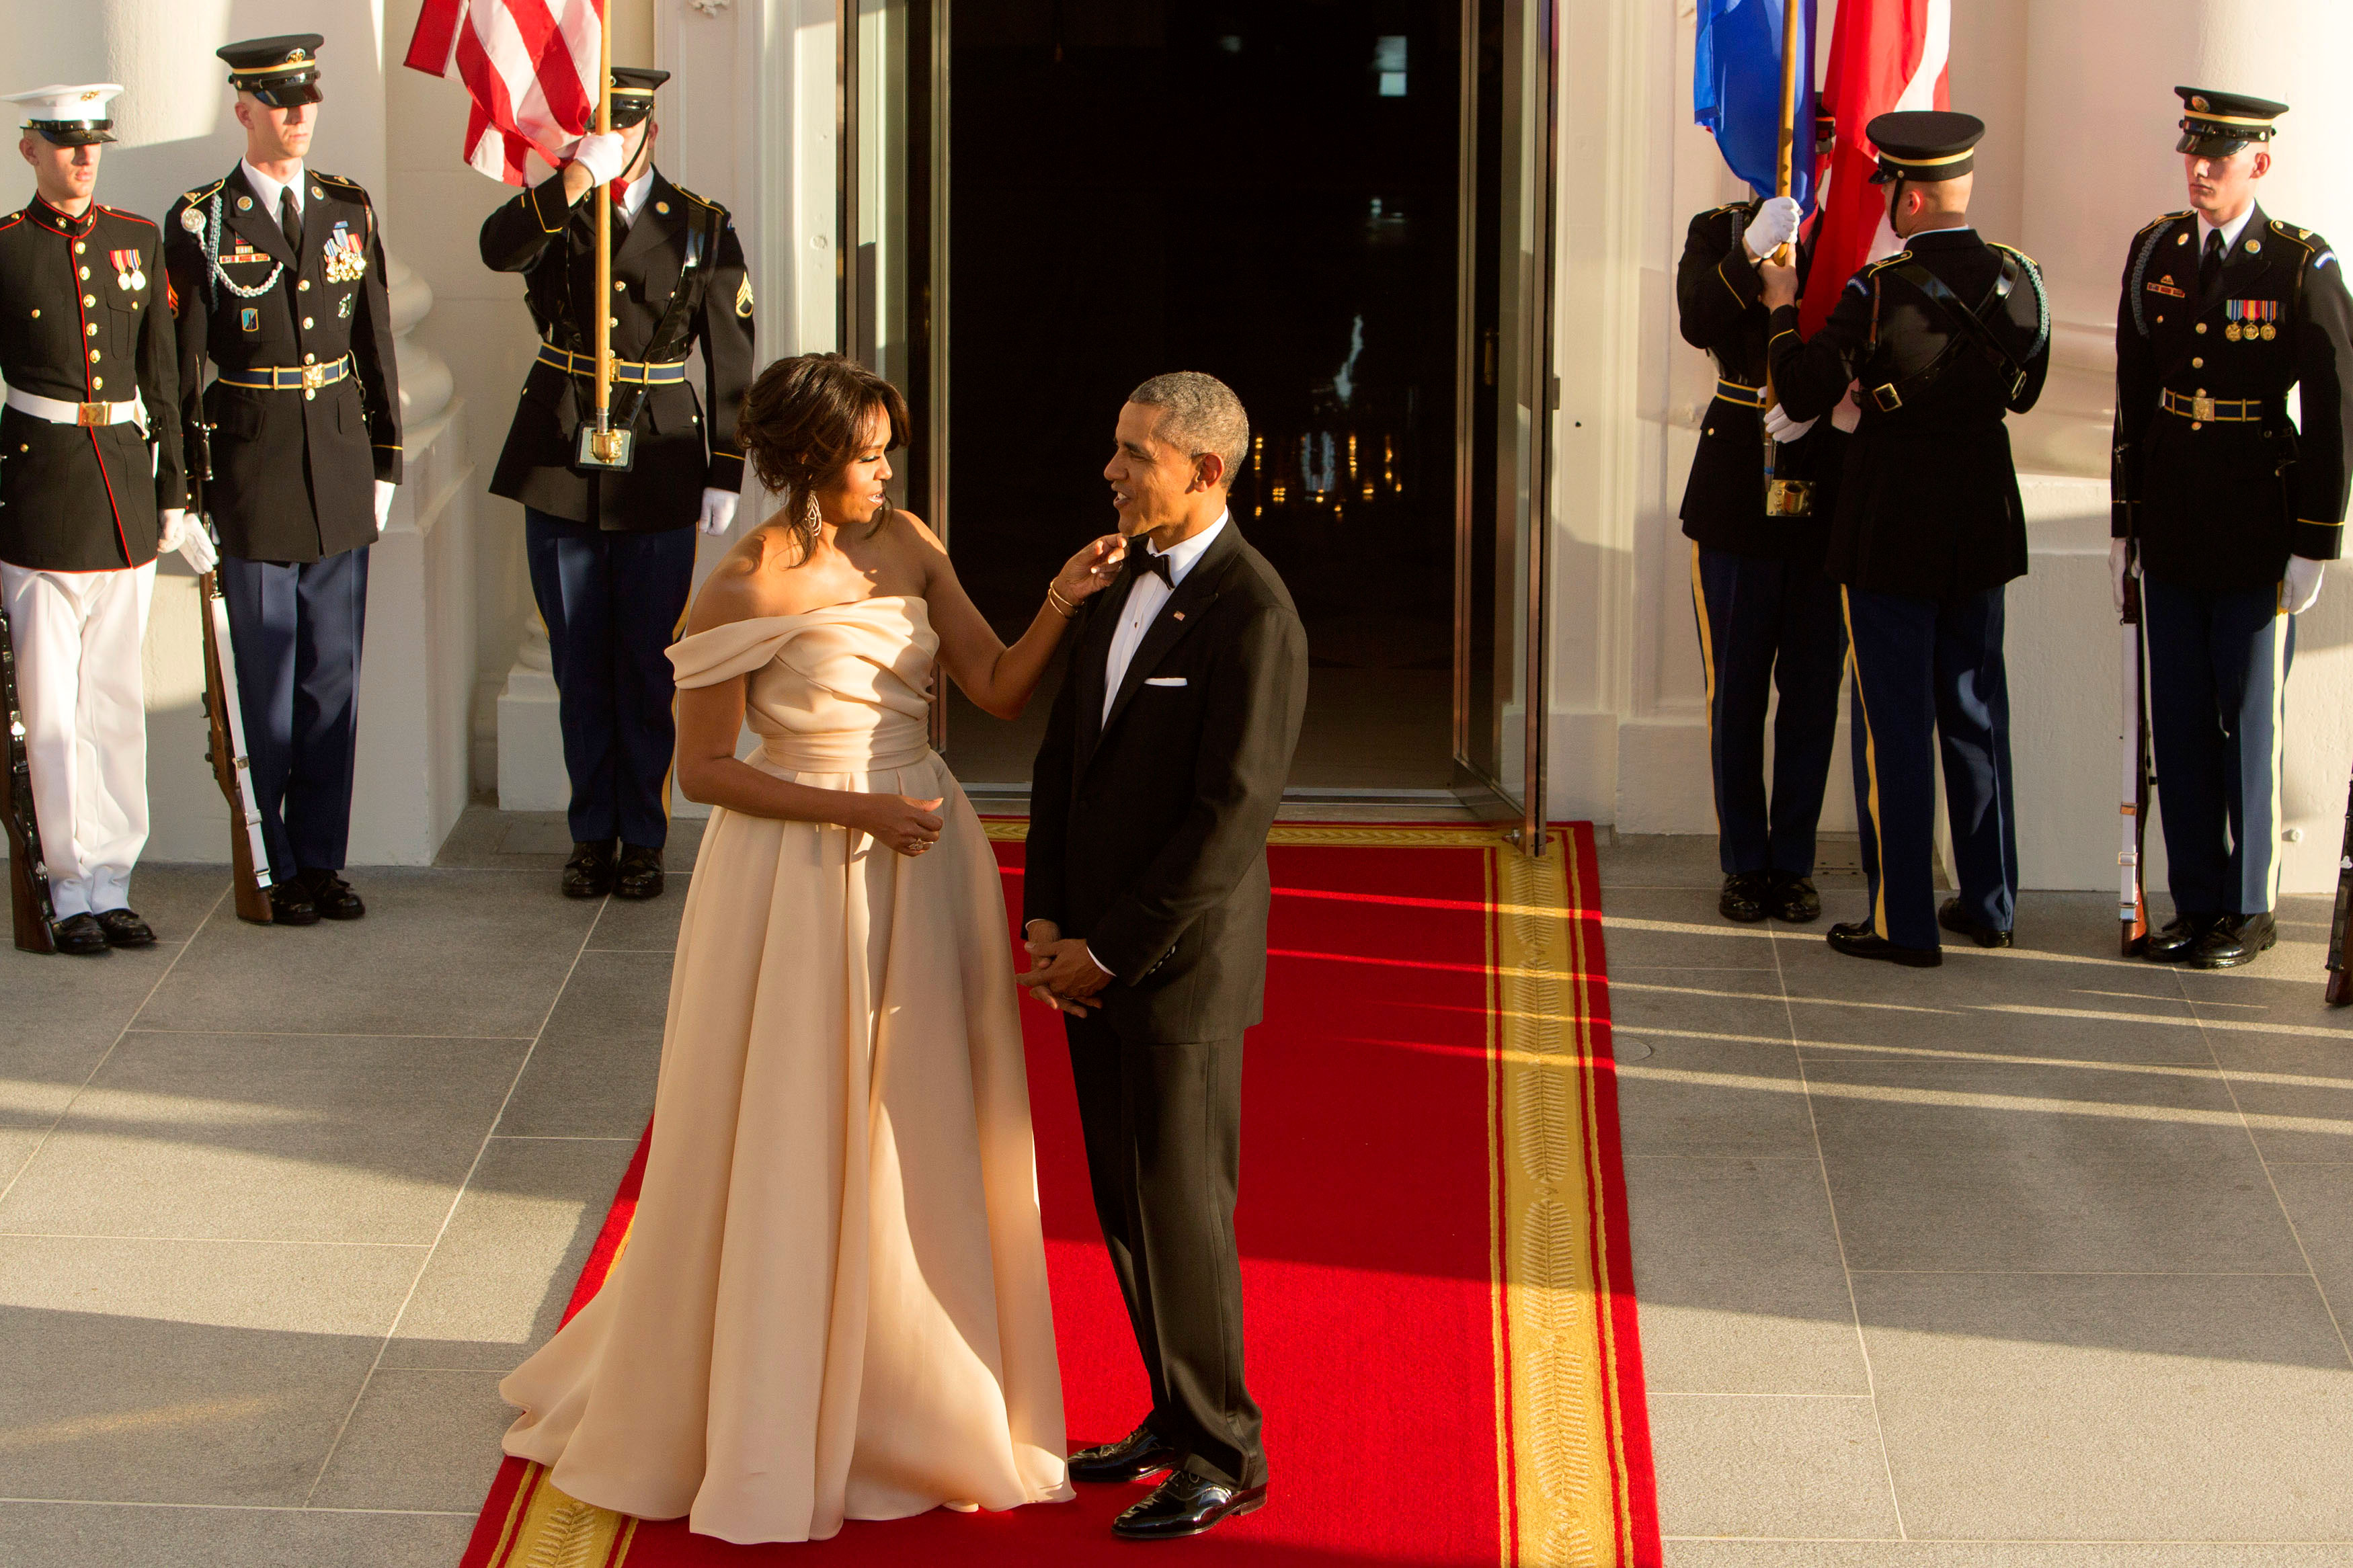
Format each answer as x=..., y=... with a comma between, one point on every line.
x=832, y=1303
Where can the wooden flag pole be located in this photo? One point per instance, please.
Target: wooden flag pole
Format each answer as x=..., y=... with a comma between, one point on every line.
x=604, y=221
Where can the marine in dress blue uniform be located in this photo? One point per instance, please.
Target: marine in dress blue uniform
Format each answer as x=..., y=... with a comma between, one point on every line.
x=612, y=552
x=2231, y=507
x=1767, y=617
x=90, y=487
x=1943, y=339
x=281, y=286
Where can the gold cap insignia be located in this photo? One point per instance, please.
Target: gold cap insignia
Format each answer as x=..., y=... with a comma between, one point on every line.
x=88, y=96
x=2196, y=101
x=298, y=55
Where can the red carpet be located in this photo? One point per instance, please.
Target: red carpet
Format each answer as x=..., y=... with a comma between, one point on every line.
x=1440, y=1303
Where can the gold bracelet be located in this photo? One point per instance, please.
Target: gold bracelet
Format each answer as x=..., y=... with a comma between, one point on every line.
x=1063, y=607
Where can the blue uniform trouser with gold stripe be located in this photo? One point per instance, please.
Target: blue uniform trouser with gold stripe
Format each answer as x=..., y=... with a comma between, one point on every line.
x=1929, y=672
x=613, y=603
x=299, y=628
x=1765, y=625
x=2218, y=664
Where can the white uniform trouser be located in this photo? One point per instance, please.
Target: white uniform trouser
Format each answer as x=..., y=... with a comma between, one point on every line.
x=77, y=637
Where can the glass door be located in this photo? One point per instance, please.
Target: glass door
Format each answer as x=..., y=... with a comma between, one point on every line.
x=1506, y=395
x=891, y=260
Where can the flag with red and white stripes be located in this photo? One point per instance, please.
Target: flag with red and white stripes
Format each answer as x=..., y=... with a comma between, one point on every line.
x=1885, y=55
x=531, y=67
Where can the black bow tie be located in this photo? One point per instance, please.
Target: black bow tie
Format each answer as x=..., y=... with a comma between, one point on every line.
x=1140, y=560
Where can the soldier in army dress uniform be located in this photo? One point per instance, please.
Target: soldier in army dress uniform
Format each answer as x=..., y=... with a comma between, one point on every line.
x=612, y=552
x=1942, y=339
x=2226, y=508
x=279, y=275
x=1767, y=617
x=91, y=490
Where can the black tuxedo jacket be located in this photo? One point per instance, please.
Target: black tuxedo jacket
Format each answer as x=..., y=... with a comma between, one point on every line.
x=1147, y=831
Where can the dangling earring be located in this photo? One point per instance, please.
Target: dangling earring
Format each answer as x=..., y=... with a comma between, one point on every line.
x=813, y=520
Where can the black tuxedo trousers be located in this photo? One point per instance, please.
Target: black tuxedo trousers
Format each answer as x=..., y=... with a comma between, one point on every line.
x=1147, y=838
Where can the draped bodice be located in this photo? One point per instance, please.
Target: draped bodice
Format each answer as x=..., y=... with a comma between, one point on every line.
x=845, y=689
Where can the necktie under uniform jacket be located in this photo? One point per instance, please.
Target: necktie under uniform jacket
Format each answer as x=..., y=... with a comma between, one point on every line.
x=612, y=553
x=1766, y=614
x=1148, y=839
x=304, y=418
x=2218, y=486
x=84, y=320
x=1943, y=339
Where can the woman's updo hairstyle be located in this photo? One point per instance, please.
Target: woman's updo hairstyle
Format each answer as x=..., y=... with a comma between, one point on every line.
x=802, y=423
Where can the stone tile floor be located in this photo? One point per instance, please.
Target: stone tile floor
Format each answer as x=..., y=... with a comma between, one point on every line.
x=2042, y=1257
x=2038, y=1259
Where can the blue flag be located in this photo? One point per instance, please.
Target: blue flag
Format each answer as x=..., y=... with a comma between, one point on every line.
x=1737, y=89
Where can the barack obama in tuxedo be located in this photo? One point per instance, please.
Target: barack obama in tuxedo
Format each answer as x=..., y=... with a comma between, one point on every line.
x=1144, y=911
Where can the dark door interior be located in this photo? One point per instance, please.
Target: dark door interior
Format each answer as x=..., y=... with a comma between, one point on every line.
x=1268, y=192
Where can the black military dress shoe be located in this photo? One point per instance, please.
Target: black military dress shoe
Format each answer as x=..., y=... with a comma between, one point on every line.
x=330, y=895
x=1743, y=896
x=1859, y=941
x=2233, y=939
x=1139, y=1454
x=1185, y=1504
x=1959, y=924
x=2182, y=934
x=590, y=873
x=1793, y=899
x=290, y=905
x=80, y=935
x=640, y=873
x=124, y=929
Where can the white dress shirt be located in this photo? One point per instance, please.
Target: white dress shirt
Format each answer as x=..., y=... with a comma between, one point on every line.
x=265, y=189
x=1144, y=602
x=2230, y=230
x=634, y=195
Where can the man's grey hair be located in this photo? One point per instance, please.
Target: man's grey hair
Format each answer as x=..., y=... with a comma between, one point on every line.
x=1198, y=414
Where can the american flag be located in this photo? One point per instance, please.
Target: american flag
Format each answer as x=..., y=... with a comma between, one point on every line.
x=531, y=67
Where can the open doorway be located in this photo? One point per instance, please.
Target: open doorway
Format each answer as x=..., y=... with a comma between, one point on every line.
x=1267, y=191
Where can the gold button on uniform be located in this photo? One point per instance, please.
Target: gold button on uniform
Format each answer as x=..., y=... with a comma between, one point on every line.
x=96, y=381
x=310, y=359
x=91, y=331
x=85, y=274
x=2200, y=328
x=303, y=286
x=80, y=247
x=617, y=288
x=86, y=299
x=93, y=356
x=2197, y=364
x=306, y=324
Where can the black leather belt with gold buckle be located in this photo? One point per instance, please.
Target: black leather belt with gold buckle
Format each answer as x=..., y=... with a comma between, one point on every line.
x=2204, y=410
x=634, y=372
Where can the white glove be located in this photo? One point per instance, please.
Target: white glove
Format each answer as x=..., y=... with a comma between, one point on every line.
x=2120, y=562
x=184, y=534
x=718, y=511
x=2301, y=585
x=1775, y=226
x=384, y=488
x=602, y=155
x=1781, y=427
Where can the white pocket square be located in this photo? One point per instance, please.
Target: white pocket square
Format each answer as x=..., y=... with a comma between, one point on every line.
x=1165, y=680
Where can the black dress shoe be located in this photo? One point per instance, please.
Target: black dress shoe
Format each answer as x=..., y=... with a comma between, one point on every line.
x=2233, y=939
x=1859, y=941
x=290, y=905
x=81, y=935
x=640, y=873
x=590, y=873
x=1743, y=896
x=124, y=929
x=1959, y=924
x=1793, y=899
x=2182, y=934
x=1185, y=1504
x=330, y=895
x=1139, y=1454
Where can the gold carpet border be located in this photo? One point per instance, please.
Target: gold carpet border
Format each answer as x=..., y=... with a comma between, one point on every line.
x=1560, y=1448
x=551, y=1529
x=1375, y=836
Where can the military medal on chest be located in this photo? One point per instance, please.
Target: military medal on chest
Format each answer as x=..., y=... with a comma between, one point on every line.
x=129, y=276
x=347, y=256
x=2250, y=319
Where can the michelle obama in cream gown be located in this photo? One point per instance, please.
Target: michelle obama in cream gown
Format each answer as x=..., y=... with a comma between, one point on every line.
x=832, y=1303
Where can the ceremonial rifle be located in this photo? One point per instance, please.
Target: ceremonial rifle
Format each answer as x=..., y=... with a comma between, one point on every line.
x=2340, y=982
x=2132, y=897
x=33, y=916
x=248, y=852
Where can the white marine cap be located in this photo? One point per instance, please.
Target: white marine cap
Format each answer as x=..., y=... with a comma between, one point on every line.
x=69, y=116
